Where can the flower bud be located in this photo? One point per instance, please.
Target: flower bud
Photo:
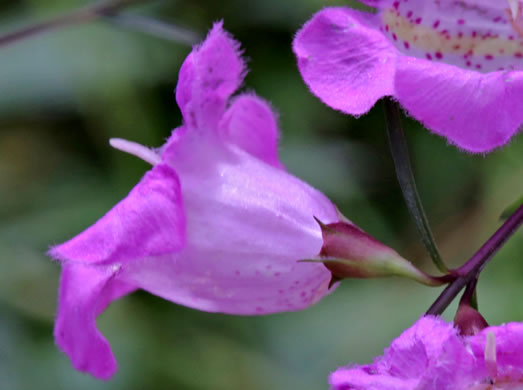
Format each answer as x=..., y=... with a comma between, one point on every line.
x=349, y=252
x=468, y=320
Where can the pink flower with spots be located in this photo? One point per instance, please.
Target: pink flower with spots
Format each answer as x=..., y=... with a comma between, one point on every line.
x=431, y=355
x=217, y=224
x=456, y=66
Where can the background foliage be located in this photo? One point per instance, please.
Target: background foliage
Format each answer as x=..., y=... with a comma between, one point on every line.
x=64, y=94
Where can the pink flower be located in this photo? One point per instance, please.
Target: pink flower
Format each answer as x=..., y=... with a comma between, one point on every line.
x=456, y=66
x=217, y=224
x=432, y=356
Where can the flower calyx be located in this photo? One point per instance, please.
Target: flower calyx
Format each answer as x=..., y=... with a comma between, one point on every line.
x=468, y=320
x=349, y=252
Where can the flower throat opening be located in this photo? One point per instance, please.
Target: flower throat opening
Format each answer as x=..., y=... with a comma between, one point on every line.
x=480, y=35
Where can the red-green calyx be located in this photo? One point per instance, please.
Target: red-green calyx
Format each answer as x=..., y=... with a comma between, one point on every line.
x=349, y=252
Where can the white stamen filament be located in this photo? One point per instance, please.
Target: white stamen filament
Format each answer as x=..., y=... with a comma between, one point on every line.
x=140, y=151
x=514, y=8
x=490, y=355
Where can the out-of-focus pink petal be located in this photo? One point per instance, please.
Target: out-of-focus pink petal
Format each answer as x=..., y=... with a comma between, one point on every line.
x=251, y=124
x=209, y=76
x=149, y=221
x=345, y=60
x=85, y=291
x=477, y=112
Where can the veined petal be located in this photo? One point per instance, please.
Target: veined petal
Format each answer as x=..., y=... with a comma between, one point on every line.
x=418, y=347
x=149, y=221
x=85, y=291
x=345, y=60
x=430, y=355
x=248, y=225
x=477, y=112
x=251, y=124
x=208, y=77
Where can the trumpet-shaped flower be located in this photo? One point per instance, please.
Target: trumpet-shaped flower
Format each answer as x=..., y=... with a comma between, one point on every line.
x=217, y=224
x=456, y=66
x=431, y=355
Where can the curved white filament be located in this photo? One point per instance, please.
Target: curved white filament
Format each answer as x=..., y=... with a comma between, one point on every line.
x=136, y=149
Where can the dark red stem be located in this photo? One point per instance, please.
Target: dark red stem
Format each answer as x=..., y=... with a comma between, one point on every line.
x=476, y=263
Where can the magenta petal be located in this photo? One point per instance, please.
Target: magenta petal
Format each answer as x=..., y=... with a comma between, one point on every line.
x=251, y=124
x=475, y=111
x=359, y=378
x=208, y=77
x=345, y=60
x=149, y=221
x=85, y=291
x=509, y=346
x=376, y=3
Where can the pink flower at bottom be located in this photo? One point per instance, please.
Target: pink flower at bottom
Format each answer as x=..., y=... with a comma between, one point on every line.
x=431, y=355
x=217, y=224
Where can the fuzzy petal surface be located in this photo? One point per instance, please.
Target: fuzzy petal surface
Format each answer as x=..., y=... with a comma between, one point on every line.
x=345, y=60
x=149, y=221
x=476, y=112
x=509, y=346
x=251, y=124
x=431, y=355
x=455, y=66
x=362, y=378
x=85, y=291
x=208, y=77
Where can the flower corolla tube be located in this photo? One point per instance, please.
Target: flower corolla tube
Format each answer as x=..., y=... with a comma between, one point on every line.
x=217, y=224
x=432, y=355
x=456, y=66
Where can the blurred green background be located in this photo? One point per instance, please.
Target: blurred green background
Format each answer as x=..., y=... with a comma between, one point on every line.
x=65, y=93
